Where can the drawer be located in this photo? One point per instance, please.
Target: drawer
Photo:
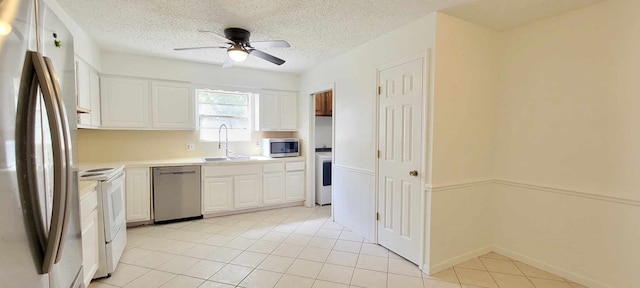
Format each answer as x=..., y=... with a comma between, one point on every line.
x=274, y=167
x=88, y=204
x=295, y=166
x=231, y=170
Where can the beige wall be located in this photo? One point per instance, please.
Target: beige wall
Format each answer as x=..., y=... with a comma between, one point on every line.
x=568, y=122
x=464, y=109
x=112, y=145
x=569, y=112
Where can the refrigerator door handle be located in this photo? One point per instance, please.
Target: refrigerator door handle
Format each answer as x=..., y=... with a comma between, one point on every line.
x=34, y=75
x=68, y=173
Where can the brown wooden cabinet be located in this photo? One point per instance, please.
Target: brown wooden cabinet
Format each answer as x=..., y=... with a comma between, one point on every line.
x=324, y=104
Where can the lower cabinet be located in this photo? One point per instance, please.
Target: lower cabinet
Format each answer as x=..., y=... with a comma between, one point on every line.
x=273, y=187
x=217, y=194
x=236, y=187
x=247, y=190
x=295, y=186
x=89, y=227
x=294, y=181
x=138, y=191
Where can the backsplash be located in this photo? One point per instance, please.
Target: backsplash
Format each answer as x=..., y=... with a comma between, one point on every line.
x=116, y=145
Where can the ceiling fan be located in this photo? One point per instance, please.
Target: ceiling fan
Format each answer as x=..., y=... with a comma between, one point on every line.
x=238, y=46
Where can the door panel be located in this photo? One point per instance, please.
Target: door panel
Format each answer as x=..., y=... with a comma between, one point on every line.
x=217, y=194
x=400, y=141
x=247, y=191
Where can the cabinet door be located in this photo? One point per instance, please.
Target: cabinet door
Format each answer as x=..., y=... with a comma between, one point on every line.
x=248, y=191
x=288, y=111
x=94, y=83
x=295, y=186
x=124, y=103
x=217, y=194
x=138, y=191
x=320, y=101
x=268, y=111
x=90, y=249
x=273, y=188
x=172, y=105
x=329, y=104
x=83, y=86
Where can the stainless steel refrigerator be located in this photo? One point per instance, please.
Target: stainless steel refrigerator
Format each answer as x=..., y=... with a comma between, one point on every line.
x=40, y=240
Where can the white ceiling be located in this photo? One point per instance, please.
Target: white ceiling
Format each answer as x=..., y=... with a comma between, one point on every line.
x=317, y=30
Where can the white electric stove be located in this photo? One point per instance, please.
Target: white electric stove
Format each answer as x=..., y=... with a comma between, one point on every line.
x=111, y=214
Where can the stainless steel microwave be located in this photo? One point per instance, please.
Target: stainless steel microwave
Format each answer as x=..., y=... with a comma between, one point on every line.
x=280, y=147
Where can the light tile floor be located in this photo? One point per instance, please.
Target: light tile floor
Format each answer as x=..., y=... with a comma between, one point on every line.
x=293, y=247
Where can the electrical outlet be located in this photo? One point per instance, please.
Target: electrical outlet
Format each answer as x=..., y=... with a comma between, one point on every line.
x=191, y=147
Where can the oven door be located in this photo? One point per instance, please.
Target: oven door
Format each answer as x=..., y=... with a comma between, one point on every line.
x=114, y=212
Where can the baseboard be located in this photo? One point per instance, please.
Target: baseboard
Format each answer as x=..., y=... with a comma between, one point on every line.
x=456, y=260
x=551, y=268
x=262, y=208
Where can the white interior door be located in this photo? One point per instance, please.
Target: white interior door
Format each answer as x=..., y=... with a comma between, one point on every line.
x=400, y=159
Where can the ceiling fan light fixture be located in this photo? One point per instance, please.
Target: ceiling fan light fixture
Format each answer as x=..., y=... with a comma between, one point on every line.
x=237, y=54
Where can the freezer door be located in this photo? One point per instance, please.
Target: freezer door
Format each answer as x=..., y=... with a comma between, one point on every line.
x=57, y=48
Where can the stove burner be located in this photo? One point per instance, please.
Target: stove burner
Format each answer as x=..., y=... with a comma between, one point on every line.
x=99, y=170
x=91, y=175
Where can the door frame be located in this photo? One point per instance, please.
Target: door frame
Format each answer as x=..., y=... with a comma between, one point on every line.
x=311, y=150
x=427, y=147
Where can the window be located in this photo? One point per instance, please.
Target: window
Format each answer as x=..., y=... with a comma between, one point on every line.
x=217, y=107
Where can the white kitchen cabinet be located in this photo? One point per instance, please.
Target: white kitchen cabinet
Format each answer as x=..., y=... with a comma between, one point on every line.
x=138, y=194
x=217, y=194
x=94, y=83
x=89, y=231
x=288, y=111
x=273, y=183
x=83, y=86
x=125, y=103
x=276, y=111
x=172, y=105
x=294, y=181
x=247, y=191
x=88, y=95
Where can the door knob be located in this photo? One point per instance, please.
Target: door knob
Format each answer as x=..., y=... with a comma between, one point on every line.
x=413, y=173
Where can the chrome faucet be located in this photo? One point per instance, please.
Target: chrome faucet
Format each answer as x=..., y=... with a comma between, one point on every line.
x=226, y=142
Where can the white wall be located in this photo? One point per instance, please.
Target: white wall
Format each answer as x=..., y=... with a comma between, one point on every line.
x=354, y=77
x=568, y=123
x=123, y=64
x=84, y=47
x=323, y=131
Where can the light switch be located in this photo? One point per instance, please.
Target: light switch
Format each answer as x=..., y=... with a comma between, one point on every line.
x=191, y=147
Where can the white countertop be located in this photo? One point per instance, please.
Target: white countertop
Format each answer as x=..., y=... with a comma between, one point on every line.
x=187, y=161
x=85, y=187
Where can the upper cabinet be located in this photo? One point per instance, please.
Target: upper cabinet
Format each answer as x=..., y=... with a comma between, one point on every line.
x=324, y=104
x=125, y=103
x=141, y=104
x=172, y=105
x=277, y=111
x=88, y=95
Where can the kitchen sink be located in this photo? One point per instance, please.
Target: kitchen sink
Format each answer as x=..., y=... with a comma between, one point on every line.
x=234, y=158
x=215, y=159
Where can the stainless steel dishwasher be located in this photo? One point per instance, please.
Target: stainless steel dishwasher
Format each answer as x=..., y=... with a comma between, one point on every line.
x=176, y=193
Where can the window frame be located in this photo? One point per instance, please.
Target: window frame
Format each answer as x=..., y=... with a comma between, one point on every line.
x=234, y=136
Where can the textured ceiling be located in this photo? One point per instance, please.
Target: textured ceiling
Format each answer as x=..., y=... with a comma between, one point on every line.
x=317, y=30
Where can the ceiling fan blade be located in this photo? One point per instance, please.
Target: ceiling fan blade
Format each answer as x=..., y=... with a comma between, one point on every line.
x=266, y=56
x=269, y=44
x=218, y=37
x=228, y=62
x=196, y=48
